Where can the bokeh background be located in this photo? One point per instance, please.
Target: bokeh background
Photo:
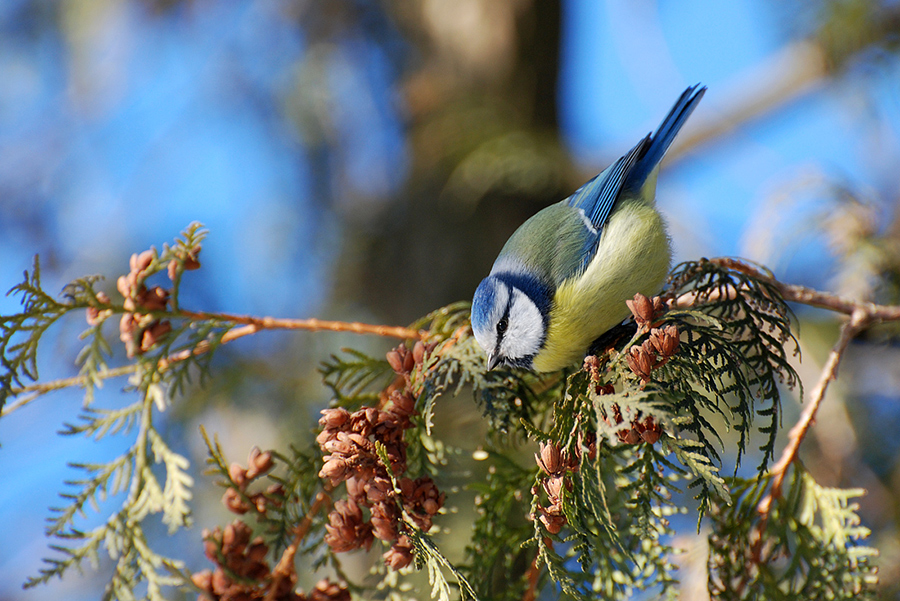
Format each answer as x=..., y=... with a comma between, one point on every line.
x=365, y=159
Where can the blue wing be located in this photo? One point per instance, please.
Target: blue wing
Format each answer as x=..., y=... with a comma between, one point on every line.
x=597, y=198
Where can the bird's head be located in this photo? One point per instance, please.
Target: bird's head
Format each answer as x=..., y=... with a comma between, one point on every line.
x=509, y=319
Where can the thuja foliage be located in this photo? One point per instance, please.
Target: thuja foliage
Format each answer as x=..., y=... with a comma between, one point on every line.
x=151, y=475
x=808, y=548
x=586, y=469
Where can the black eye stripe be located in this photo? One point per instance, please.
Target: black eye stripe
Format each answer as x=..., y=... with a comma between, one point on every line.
x=502, y=325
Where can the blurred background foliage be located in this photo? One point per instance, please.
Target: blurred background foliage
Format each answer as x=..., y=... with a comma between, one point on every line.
x=366, y=159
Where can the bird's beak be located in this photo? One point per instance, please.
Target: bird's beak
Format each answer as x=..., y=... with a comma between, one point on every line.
x=493, y=360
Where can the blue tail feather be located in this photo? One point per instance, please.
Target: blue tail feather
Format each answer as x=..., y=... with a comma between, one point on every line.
x=662, y=138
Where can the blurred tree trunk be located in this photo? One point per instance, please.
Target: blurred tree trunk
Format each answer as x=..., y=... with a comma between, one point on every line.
x=485, y=153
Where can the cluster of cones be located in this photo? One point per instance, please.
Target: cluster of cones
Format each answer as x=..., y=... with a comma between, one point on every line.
x=375, y=507
x=243, y=572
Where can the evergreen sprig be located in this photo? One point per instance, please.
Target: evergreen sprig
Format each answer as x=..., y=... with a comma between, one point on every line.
x=21, y=333
x=617, y=541
x=808, y=546
x=497, y=559
x=153, y=478
x=290, y=493
x=757, y=323
x=428, y=555
x=300, y=492
x=354, y=377
x=122, y=534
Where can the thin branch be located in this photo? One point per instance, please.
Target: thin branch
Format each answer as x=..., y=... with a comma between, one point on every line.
x=43, y=388
x=252, y=326
x=532, y=575
x=274, y=323
x=285, y=566
x=815, y=298
x=783, y=78
x=858, y=322
x=860, y=319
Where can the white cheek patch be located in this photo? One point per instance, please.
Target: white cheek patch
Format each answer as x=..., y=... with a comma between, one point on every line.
x=526, y=328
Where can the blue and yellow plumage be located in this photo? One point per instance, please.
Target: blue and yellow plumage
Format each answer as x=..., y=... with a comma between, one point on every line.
x=562, y=279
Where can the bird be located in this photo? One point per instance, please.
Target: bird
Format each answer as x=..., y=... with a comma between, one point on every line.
x=561, y=280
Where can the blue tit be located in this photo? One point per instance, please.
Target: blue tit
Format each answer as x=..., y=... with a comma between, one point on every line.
x=562, y=278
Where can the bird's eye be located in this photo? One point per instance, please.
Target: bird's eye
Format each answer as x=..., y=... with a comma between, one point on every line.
x=502, y=325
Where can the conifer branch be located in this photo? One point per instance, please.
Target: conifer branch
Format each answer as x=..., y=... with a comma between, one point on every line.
x=41, y=388
x=274, y=323
x=815, y=298
x=252, y=326
x=860, y=319
x=862, y=315
x=285, y=566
